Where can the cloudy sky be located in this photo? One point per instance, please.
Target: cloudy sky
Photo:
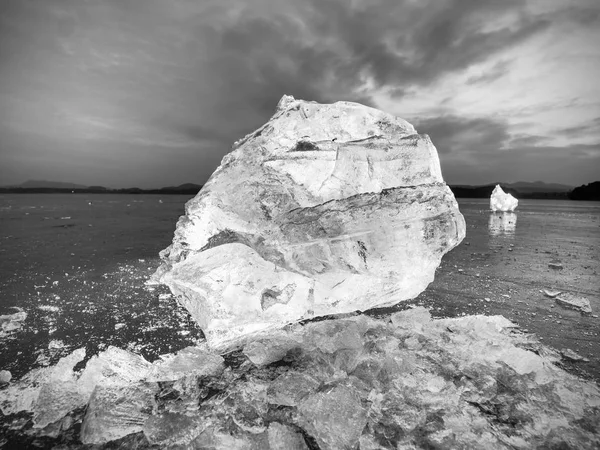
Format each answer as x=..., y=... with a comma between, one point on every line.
x=151, y=93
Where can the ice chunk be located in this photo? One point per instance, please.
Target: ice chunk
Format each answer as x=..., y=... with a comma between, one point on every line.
x=572, y=301
x=571, y=355
x=291, y=388
x=551, y=294
x=53, y=392
x=186, y=362
x=10, y=323
x=115, y=411
x=344, y=208
x=414, y=382
x=335, y=418
x=501, y=201
x=217, y=439
x=285, y=437
x=55, y=400
x=59, y=393
x=5, y=376
x=113, y=366
x=331, y=336
x=23, y=395
x=269, y=350
x=414, y=318
x=169, y=428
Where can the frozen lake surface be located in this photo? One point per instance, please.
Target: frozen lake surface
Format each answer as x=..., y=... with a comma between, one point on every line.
x=76, y=264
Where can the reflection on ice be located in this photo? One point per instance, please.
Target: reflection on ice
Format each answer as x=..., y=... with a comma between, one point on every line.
x=502, y=223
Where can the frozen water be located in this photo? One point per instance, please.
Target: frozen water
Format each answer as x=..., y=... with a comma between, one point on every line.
x=502, y=201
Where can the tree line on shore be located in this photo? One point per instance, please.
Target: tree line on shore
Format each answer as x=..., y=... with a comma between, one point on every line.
x=589, y=191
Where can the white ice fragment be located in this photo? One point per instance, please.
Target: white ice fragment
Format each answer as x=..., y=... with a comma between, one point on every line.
x=268, y=350
x=10, y=323
x=335, y=417
x=571, y=355
x=501, y=201
x=551, y=294
x=57, y=393
x=572, y=301
x=5, y=376
x=48, y=308
x=114, y=411
x=290, y=388
x=414, y=318
x=167, y=429
x=285, y=437
x=113, y=366
x=189, y=361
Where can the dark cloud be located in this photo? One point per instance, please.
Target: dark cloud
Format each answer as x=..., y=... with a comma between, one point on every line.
x=526, y=140
x=497, y=71
x=454, y=134
x=162, y=77
x=587, y=129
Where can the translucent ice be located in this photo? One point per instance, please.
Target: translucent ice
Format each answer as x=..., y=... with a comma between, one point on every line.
x=501, y=201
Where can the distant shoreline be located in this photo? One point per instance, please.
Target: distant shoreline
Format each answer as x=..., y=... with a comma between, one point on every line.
x=17, y=190
x=587, y=192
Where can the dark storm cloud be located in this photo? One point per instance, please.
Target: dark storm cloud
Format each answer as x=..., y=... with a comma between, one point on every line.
x=184, y=79
x=452, y=134
x=526, y=140
x=327, y=50
x=549, y=163
x=499, y=69
x=588, y=129
x=478, y=150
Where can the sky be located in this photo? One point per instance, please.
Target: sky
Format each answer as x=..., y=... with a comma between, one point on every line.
x=152, y=93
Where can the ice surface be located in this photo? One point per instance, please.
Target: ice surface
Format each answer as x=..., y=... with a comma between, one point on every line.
x=501, y=201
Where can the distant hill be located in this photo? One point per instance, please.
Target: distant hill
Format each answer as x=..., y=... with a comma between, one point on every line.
x=97, y=188
x=183, y=187
x=46, y=187
x=49, y=184
x=538, y=186
x=586, y=192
